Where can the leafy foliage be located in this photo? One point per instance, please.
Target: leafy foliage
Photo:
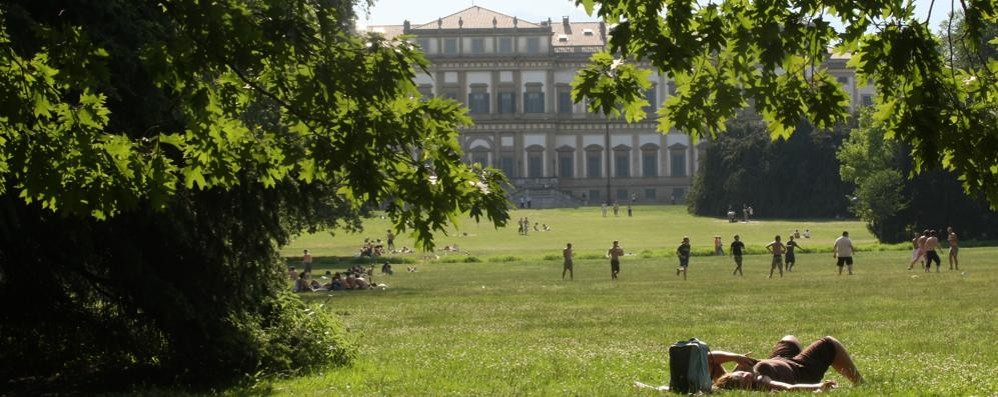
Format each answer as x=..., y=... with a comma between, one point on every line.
x=727, y=55
x=155, y=154
x=893, y=206
x=612, y=87
x=795, y=177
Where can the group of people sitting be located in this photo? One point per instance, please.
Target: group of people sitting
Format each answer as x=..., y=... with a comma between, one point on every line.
x=357, y=277
x=372, y=249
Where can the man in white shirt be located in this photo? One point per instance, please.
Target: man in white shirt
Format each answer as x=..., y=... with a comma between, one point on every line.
x=843, y=251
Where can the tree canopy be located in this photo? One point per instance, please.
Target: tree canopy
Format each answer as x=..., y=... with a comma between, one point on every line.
x=154, y=156
x=725, y=55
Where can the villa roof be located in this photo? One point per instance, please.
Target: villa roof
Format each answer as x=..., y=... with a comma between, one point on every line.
x=475, y=17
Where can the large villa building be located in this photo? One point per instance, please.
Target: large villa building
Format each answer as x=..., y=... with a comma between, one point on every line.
x=515, y=78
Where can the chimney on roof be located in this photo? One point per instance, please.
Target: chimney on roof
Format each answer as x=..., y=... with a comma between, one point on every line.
x=460, y=22
x=602, y=30
x=494, y=22
x=440, y=22
x=405, y=26
x=515, y=21
x=567, y=27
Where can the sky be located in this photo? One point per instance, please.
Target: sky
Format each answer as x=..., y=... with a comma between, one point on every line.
x=393, y=12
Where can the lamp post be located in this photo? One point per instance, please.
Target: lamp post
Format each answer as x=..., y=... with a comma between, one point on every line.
x=607, y=121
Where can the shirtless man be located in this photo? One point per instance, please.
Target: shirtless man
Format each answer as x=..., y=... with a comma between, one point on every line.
x=931, y=243
x=614, y=253
x=954, y=264
x=919, y=243
x=788, y=368
x=306, y=261
x=777, y=249
x=567, y=254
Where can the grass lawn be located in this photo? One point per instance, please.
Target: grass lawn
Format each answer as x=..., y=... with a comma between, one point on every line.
x=655, y=229
x=513, y=327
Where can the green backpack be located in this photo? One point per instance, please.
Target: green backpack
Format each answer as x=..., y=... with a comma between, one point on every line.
x=688, y=367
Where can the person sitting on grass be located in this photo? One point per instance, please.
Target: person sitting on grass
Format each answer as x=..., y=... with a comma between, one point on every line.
x=301, y=284
x=386, y=268
x=787, y=368
x=336, y=283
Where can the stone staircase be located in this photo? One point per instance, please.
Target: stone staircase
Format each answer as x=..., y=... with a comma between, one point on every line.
x=540, y=197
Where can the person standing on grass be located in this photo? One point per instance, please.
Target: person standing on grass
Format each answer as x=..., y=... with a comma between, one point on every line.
x=791, y=259
x=614, y=253
x=602, y=209
x=718, y=246
x=930, y=251
x=777, y=249
x=629, y=210
x=736, y=252
x=390, y=237
x=616, y=208
x=916, y=251
x=306, y=261
x=842, y=249
x=568, y=254
x=683, y=252
x=954, y=264
x=919, y=255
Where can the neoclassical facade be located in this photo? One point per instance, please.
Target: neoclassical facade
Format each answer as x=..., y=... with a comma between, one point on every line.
x=515, y=78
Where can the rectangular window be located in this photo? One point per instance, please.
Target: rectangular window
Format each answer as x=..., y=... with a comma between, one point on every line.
x=594, y=196
x=505, y=45
x=650, y=194
x=535, y=165
x=843, y=80
x=652, y=107
x=678, y=195
x=672, y=88
x=649, y=164
x=533, y=102
x=450, y=46
x=566, y=165
x=478, y=103
x=450, y=95
x=507, y=102
x=867, y=100
x=426, y=91
x=506, y=165
x=424, y=44
x=594, y=164
x=533, y=45
x=477, y=46
x=564, y=101
x=678, y=163
x=621, y=164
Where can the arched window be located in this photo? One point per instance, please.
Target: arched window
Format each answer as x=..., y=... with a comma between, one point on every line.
x=566, y=162
x=594, y=161
x=622, y=161
x=677, y=153
x=649, y=160
x=535, y=161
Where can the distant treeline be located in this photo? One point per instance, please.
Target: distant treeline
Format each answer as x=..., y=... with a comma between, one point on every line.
x=799, y=178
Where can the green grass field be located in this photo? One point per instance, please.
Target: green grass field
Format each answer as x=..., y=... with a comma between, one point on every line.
x=511, y=326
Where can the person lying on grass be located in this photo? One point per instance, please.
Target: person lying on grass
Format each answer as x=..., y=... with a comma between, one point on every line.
x=787, y=368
